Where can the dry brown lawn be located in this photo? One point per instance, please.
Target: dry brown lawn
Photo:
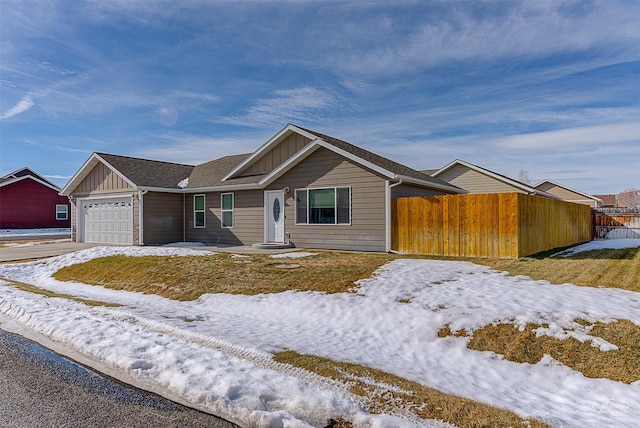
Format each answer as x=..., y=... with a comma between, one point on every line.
x=187, y=278
x=425, y=402
x=602, y=268
x=35, y=290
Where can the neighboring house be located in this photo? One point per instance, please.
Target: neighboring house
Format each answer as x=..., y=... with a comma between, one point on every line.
x=476, y=179
x=300, y=186
x=30, y=201
x=608, y=201
x=567, y=194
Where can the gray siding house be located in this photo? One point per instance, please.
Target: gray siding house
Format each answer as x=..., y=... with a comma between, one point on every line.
x=300, y=187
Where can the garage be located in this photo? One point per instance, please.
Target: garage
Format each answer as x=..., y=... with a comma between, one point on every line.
x=106, y=221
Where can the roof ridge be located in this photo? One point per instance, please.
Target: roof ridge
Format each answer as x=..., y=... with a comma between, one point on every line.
x=143, y=159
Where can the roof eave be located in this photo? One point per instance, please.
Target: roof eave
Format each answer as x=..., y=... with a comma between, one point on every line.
x=412, y=180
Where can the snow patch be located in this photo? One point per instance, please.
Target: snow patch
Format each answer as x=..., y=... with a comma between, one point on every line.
x=295, y=255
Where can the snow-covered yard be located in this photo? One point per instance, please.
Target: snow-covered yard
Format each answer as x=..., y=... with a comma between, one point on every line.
x=215, y=352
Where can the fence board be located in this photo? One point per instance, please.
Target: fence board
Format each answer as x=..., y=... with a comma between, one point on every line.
x=505, y=225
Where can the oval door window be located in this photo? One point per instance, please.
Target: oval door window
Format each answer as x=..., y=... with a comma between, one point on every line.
x=276, y=210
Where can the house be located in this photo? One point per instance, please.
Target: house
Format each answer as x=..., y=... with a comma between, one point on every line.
x=300, y=187
x=567, y=194
x=30, y=201
x=476, y=179
x=608, y=201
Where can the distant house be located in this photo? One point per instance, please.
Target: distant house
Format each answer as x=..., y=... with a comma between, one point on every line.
x=608, y=201
x=569, y=195
x=476, y=179
x=30, y=201
x=299, y=187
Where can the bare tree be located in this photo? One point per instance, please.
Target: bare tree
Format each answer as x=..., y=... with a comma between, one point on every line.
x=523, y=176
x=630, y=198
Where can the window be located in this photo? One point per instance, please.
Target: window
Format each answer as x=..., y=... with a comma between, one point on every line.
x=198, y=211
x=323, y=206
x=226, y=205
x=62, y=212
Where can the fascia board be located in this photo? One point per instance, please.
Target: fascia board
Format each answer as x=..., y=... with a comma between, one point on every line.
x=490, y=173
x=266, y=146
x=24, y=177
x=251, y=186
x=292, y=161
x=79, y=175
x=424, y=183
x=121, y=175
x=593, y=198
x=356, y=159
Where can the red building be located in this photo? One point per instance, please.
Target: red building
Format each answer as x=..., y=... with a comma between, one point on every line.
x=30, y=201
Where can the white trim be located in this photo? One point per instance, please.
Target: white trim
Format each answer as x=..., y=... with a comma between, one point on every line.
x=204, y=210
x=277, y=138
x=591, y=198
x=66, y=212
x=356, y=159
x=485, y=171
x=106, y=196
x=335, y=206
x=267, y=215
x=80, y=217
x=24, y=177
x=232, y=210
x=424, y=183
x=86, y=168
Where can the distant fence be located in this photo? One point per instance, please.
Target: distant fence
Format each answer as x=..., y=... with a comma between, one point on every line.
x=505, y=225
x=614, y=223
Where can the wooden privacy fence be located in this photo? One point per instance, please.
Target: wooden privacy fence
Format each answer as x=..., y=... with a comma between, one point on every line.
x=505, y=225
x=614, y=223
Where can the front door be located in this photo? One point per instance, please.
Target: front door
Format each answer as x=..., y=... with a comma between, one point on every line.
x=274, y=215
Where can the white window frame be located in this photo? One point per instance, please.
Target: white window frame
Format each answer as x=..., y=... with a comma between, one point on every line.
x=335, y=202
x=222, y=210
x=65, y=211
x=203, y=210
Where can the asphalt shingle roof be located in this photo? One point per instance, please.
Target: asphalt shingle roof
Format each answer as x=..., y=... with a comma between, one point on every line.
x=149, y=173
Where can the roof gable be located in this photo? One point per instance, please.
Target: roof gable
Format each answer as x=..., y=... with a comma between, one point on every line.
x=548, y=185
x=486, y=172
x=26, y=174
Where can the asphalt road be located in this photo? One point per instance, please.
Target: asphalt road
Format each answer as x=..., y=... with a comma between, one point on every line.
x=41, y=389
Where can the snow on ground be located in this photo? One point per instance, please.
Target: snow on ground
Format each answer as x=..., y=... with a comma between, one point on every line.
x=600, y=245
x=34, y=232
x=215, y=351
x=294, y=255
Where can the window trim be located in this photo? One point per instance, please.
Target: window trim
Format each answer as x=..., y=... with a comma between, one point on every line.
x=335, y=202
x=203, y=210
x=66, y=212
x=232, y=210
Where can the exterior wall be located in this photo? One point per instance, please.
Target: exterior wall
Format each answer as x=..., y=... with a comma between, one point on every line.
x=101, y=180
x=27, y=204
x=475, y=182
x=321, y=169
x=162, y=218
x=407, y=190
x=324, y=168
x=248, y=219
x=277, y=155
x=566, y=194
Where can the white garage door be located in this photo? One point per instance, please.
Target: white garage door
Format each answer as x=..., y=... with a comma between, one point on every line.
x=107, y=221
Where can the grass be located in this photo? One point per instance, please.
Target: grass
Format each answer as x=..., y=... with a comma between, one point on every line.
x=33, y=289
x=187, y=278
x=386, y=391
x=601, y=268
x=621, y=365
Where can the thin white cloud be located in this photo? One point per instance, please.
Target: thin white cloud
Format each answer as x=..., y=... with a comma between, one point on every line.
x=574, y=138
x=23, y=105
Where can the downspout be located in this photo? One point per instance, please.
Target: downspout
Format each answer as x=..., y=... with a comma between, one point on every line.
x=388, y=214
x=141, y=194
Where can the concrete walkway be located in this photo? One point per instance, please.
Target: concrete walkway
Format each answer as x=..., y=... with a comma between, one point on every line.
x=40, y=250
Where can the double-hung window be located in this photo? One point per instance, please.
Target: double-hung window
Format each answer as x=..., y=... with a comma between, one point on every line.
x=331, y=205
x=62, y=212
x=198, y=210
x=226, y=205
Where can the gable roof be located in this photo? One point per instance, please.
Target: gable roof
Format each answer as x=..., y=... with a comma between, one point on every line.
x=24, y=174
x=386, y=167
x=500, y=177
x=221, y=174
x=594, y=198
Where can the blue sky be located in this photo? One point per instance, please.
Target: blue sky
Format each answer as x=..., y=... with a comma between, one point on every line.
x=552, y=87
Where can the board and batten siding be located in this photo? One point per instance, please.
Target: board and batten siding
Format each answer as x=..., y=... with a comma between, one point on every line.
x=324, y=168
x=475, y=182
x=162, y=218
x=277, y=155
x=101, y=179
